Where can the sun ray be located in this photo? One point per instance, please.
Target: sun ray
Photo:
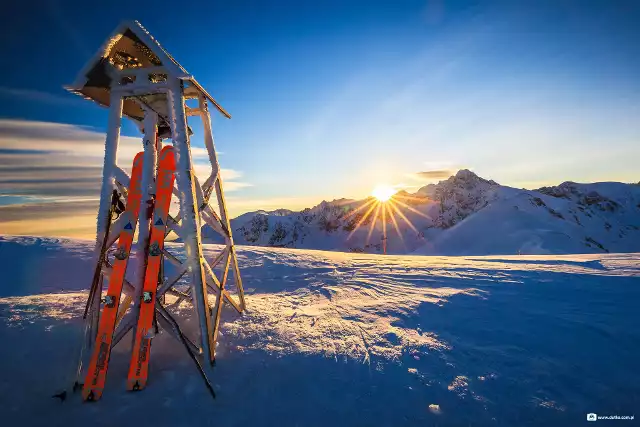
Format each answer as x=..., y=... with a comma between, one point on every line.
x=395, y=224
x=343, y=202
x=404, y=217
x=384, y=219
x=361, y=221
x=384, y=228
x=373, y=223
x=361, y=207
x=410, y=197
x=412, y=209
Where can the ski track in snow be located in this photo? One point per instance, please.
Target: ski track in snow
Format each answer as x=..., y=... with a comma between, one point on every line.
x=344, y=339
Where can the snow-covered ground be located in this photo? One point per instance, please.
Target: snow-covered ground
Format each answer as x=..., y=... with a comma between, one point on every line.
x=336, y=339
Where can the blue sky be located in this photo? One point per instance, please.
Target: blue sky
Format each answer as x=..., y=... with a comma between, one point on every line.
x=330, y=99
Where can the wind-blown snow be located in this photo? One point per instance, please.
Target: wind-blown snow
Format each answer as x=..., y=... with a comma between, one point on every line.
x=332, y=338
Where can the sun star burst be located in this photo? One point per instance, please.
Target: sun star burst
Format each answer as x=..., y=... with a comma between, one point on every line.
x=383, y=192
x=384, y=205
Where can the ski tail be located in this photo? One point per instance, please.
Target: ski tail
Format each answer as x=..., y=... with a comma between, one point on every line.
x=99, y=362
x=139, y=365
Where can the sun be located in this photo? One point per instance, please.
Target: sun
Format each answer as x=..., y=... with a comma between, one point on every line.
x=383, y=192
x=385, y=204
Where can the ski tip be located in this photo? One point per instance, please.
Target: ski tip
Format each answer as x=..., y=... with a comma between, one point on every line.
x=91, y=395
x=167, y=151
x=136, y=385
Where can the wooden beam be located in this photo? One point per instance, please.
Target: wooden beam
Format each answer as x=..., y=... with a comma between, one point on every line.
x=220, y=290
x=216, y=318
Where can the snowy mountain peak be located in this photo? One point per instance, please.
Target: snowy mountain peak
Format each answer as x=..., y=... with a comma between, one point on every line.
x=459, y=196
x=464, y=178
x=466, y=174
x=464, y=214
x=604, y=196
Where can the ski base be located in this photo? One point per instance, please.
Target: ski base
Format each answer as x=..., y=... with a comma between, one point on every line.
x=139, y=365
x=99, y=362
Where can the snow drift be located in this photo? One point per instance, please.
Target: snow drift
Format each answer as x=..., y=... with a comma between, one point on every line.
x=332, y=338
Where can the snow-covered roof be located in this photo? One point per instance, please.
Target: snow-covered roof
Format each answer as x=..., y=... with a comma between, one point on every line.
x=131, y=46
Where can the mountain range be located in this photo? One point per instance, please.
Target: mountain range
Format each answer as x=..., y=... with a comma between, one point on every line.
x=462, y=215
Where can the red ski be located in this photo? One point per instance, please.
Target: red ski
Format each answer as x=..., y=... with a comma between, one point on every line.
x=99, y=363
x=139, y=366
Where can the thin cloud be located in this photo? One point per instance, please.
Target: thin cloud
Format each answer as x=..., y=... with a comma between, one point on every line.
x=68, y=218
x=435, y=174
x=63, y=163
x=431, y=175
x=36, y=155
x=40, y=96
x=229, y=176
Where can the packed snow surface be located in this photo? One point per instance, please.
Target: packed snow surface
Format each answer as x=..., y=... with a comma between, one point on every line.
x=336, y=339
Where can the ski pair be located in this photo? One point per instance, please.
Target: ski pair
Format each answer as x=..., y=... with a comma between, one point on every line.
x=139, y=366
x=98, y=365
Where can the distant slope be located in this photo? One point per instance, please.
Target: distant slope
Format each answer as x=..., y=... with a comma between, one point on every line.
x=570, y=218
x=463, y=215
